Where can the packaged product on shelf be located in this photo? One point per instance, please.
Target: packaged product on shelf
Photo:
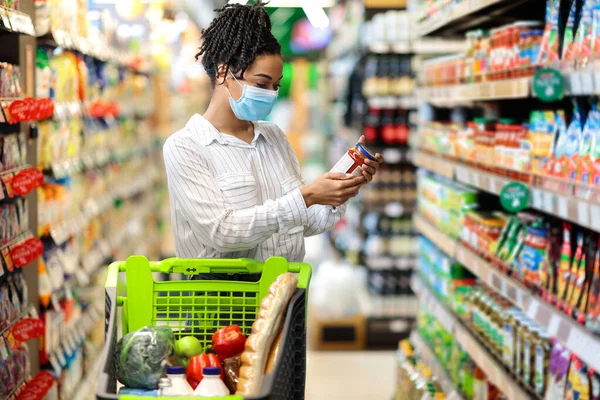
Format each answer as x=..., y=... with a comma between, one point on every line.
x=583, y=43
x=564, y=268
x=549, y=51
x=593, y=312
x=569, y=275
x=584, y=158
x=569, y=51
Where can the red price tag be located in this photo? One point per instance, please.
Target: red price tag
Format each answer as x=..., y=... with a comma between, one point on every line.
x=26, y=252
x=32, y=108
x=38, y=388
x=25, y=181
x=19, y=111
x=28, y=329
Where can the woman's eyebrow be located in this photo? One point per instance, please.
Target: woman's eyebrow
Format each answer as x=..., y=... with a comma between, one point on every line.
x=269, y=77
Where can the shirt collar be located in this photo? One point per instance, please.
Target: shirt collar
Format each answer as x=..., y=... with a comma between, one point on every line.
x=209, y=134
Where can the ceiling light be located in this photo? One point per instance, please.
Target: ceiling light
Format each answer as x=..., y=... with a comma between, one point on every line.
x=317, y=16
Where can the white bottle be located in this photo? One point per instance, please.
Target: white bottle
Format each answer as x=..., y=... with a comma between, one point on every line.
x=163, y=383
x=179, y=385
x=211, y=385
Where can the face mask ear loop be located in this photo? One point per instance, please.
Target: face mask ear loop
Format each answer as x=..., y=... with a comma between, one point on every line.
x=226, y=88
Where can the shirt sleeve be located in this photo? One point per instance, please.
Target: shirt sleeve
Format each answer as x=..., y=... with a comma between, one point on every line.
x=201, y=202
x=320, y=218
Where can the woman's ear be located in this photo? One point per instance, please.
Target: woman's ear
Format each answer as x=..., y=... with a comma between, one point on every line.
x=222, y=74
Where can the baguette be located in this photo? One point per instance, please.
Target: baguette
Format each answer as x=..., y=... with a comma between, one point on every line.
x=264, y=330
x=274, y=352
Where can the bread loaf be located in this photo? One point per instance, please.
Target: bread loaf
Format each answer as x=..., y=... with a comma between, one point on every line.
x=274, y=351
x=264, y=331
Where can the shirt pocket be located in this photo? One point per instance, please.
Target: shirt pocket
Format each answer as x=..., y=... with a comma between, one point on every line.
x=239, y=189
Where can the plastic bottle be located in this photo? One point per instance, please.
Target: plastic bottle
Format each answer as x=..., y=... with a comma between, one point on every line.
x=164, y=384
x=179, y=385
x=211, y=385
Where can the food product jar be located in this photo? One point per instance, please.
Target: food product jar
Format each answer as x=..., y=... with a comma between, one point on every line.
x=353, y=161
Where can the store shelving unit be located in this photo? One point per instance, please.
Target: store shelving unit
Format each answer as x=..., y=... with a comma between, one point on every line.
x=573, y=335
x=448, y=96
x=566, y=200
x=465, y=14
x=495, y=371
x=438, y=369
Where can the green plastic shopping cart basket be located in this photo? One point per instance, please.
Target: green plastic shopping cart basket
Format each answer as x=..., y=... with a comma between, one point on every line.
x=199, y=308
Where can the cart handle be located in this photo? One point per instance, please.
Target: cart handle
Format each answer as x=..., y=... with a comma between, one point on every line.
x=189, y=266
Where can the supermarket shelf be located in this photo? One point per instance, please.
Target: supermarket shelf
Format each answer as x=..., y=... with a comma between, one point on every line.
x=16, y=22
x=451, y=95
x=432, y=361
x=393, y=102
x=477, y=351
x=401, y=306
x=574, y=336
x=425, y=46
x=463, y=15
x=583, y=212
x=80, y=219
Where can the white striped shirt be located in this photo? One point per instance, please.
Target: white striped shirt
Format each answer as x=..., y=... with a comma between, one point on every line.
x=231, y=199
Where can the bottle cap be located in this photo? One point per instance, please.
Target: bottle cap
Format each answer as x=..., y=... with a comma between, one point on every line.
x=366, y=152
x=211, y=371
x=175, y=370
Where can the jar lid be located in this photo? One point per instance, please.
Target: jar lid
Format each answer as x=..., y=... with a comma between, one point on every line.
x=365, y=152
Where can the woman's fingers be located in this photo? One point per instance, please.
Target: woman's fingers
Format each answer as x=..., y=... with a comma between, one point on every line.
x=338, y=176
x=370, y=169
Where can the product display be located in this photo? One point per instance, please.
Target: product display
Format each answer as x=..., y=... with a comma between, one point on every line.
x=488, y=156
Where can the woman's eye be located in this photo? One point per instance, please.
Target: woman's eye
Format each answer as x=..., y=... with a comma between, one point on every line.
x=261, y=85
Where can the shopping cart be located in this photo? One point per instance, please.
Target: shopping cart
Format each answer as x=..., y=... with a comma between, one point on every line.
x=199, y=308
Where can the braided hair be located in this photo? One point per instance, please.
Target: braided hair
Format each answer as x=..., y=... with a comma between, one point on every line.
x=235, y=38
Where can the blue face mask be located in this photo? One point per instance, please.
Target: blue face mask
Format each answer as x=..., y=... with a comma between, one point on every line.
x=255, y=103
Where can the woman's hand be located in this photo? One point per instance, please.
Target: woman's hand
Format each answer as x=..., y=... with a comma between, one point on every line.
x=371, y=167
x=332, y=189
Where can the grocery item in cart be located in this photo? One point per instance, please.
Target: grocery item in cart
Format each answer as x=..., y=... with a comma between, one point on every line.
x=179, y=385
x=212, y=385
x=264, y=332
x=142, y=356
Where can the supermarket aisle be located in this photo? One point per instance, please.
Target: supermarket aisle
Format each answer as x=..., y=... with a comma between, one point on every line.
x=350, y=375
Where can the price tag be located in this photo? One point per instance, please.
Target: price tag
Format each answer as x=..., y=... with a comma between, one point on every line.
x=587, y=82
x=513, y=294
x=548, y=205
x=496, y=282
x=537, y=199
x=595, y=215
x=583, y=213
x=563, y=209
x=475, y=181
x=575, y=83
x=554, y=324
x=493, y=185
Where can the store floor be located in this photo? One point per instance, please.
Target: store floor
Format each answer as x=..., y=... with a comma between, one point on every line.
x=356, y=375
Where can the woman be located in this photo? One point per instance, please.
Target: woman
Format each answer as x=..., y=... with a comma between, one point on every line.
x=235, y=184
